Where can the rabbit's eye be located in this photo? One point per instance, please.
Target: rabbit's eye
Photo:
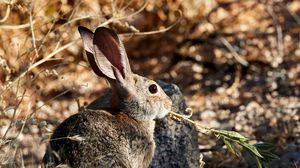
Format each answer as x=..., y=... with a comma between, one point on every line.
x=153, y=89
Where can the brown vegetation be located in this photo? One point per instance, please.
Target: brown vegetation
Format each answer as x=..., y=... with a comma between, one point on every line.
x=237, y=63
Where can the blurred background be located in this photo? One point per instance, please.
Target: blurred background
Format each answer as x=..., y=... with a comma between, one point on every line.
x=236, y=62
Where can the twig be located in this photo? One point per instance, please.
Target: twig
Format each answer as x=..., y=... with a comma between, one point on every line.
x=187, y=118
x=234, y=52
x=277, y=25
x=127, y=5
x=293, y=14
x=46, y=36
x=114, y=18
x=79, y=18
x=14, y=115
x=23, y=126
x=136, y=12
x=56, y=18
x=32, y=32
x=156, y=31
x=14, y=27
x=75, y=8
x=6, y=13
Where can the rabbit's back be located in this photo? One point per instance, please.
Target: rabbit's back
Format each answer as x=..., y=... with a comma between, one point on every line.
x=94, y=138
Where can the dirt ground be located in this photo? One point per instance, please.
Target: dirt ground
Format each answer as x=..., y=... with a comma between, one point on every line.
x=236, y=62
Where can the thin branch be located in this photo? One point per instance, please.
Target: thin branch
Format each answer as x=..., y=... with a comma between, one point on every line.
x=46, y=36
x=293, y=14
x=14, y=115
x=32, y=32
x=113, y=19
x=127, y=5
x=23, y=125
x=136, y=12
x=75, y=8
x=56, y=18
x=79, y=18
x=15, y=27
x=6, y=13
x=156, y=31
x=237, y=57
x=177, y=116
x=278, y=27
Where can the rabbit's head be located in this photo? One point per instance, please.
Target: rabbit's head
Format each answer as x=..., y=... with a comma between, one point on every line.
x=137, y=96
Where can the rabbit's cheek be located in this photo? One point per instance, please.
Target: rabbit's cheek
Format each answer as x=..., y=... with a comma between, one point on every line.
x=164, y=109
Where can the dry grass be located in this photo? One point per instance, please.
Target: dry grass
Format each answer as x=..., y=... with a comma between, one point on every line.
x=237, y=59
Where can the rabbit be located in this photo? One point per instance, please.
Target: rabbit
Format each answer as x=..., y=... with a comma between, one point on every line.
x=120, y=135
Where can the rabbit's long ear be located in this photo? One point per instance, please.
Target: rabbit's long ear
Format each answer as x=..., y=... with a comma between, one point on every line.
x=87, y=38
x=109, y=52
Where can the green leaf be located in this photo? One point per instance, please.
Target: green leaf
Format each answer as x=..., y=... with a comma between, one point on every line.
x=269, y=156
x=252, y=149
x=231, y=135
x=228, y=145
x=265, y=146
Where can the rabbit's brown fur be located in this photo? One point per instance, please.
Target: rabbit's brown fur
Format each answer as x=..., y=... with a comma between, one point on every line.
x=122, y=134
x=134, y=138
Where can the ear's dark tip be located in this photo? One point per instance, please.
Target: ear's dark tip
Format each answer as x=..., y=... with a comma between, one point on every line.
x=82, y=29
x=104, y=30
